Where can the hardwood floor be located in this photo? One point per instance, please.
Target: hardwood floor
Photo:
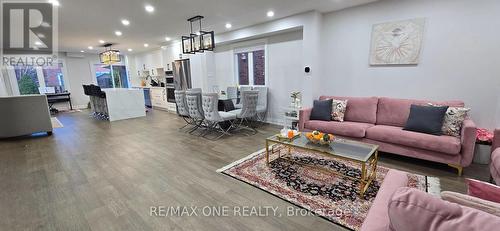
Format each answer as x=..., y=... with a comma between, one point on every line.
x=96, y=175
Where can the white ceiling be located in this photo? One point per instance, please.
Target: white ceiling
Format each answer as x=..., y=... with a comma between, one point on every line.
x=83, y=23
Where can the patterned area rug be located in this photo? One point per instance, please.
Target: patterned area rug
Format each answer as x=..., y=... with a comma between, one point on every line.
x=320, y=192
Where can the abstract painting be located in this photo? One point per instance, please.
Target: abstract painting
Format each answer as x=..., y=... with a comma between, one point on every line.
x=397, y=43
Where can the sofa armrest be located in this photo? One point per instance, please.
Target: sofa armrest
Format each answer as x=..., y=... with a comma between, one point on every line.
x=496, y=140
x=304, y=115
x=377, y=218
x=468, y=141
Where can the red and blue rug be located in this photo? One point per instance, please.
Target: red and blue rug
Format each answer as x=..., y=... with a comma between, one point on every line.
x=327, y=195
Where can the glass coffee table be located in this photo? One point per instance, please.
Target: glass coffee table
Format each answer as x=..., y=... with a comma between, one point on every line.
x=364, y=154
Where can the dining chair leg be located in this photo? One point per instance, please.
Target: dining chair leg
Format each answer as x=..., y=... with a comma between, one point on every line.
x=223, y=132
x=197, y=125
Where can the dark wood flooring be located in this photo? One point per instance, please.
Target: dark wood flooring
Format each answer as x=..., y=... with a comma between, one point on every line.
x=96, y=175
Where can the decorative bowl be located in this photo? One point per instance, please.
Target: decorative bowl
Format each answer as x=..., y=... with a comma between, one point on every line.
x=317, y=137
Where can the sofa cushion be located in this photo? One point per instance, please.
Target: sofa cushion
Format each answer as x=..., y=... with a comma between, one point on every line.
x=322, y=110
x=346, y=128
x=394, y=112
x=396, y=135
x=359, y=109
x=411, y=209
x=426, y=119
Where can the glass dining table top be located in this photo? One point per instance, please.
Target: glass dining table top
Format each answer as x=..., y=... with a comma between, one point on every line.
x=339, y=147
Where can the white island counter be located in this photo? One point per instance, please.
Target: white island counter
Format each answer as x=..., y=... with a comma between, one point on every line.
x=125, y=103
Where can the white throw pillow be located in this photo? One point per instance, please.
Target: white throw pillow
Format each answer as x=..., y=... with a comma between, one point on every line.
x=453, y=120
x=338, y=109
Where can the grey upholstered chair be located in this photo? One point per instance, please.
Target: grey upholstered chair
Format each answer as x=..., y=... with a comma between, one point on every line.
x=213, y=117
x=232, y=93
x=262, y=103
x=248, y=110
x=194, y=106
x=242, y=89
x=182, y=111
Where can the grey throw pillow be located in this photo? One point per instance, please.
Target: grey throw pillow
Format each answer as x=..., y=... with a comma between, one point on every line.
x=426, y=119
x=322, y=110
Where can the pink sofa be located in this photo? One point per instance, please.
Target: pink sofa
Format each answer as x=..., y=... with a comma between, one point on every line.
x=381, y=120
x=397, y=207
x=495, y=157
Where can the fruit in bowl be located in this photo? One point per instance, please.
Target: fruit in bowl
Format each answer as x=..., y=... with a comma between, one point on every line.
x=318, y=137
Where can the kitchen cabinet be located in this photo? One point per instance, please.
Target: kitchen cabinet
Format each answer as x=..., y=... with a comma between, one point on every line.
x=159, y=98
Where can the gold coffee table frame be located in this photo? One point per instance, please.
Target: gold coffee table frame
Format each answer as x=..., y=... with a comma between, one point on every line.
x=367, y=160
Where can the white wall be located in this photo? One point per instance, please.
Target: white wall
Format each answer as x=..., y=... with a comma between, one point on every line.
x=459, y=59
x=285, y=60
x=79, y=72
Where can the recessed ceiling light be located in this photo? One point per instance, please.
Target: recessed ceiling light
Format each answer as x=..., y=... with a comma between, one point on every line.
x=228, y=25
x=90, y=47
x=146, y=45
x=270, y=13
x=118, y=33
x=54, y=2
x=125, y=22
x=167, y=39
x=38, y=43
x=149, y=8
x=101, y=41
x=163, y=47
x=82, y=51
x=130, y=49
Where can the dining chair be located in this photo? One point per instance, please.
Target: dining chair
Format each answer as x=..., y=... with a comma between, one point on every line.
x=213, y=117
x=248, y=110
x=182, y=111
x=195, y=110
x=232, y=93
x=242, y=88
x=261, y=103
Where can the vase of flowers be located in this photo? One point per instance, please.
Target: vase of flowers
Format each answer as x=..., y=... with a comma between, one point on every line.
x=482, y=151
x=296, y=99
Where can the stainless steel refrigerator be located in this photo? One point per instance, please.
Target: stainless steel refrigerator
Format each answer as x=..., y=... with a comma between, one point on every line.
x=182, y=74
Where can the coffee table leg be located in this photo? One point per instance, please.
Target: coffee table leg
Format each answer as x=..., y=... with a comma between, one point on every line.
x=267, y=152
x=362, y=182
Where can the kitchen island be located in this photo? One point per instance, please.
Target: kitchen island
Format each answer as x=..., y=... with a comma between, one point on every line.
x=124, y=103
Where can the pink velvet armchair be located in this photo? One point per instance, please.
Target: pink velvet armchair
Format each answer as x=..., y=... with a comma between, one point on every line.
x=495, y=158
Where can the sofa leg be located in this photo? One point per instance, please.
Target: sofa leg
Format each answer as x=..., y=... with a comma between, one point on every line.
x=49, y=133
x=458, y=167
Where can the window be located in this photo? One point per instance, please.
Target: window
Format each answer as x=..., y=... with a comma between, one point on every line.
x=251, y=66
x=30, y=78
x=117, y=78
x=27, y=80
x=53, y=77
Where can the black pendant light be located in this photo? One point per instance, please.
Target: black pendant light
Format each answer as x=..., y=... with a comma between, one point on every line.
x=109, y=56
x=200, y=41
